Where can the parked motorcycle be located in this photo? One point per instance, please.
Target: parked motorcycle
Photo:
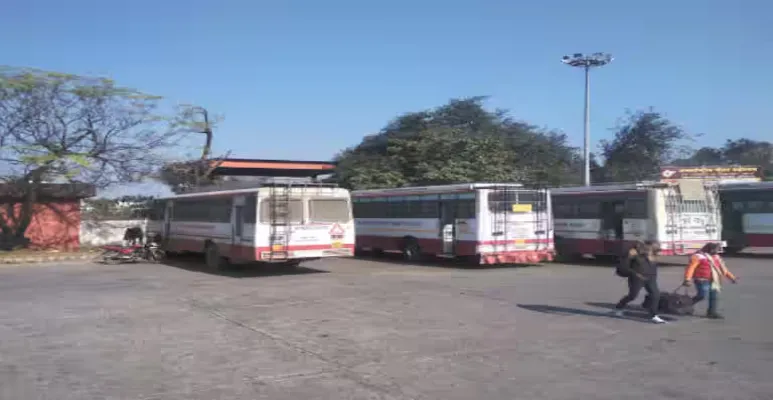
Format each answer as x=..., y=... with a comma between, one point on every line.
x=118, y=254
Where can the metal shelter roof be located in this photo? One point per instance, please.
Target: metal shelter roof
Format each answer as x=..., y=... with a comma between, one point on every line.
x=272, y=168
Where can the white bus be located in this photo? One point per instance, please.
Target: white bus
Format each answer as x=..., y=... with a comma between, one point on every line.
x=277, y=223
x=485, y=223
x=609, y=219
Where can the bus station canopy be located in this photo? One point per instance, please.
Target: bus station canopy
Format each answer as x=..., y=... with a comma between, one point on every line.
x=272, y=168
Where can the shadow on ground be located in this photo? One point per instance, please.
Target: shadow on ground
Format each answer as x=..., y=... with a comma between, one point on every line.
x=612, y=261
x=194, y=263
x=568, y=311
x=753, y=256
x=436, y=262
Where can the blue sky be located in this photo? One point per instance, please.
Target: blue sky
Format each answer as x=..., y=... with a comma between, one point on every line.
x=304, y=79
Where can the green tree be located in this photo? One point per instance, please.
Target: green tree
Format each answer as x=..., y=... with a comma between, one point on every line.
x=460, y=141
x=735, y=152
x=749, y=152
x=67, y=128
x=644, y=143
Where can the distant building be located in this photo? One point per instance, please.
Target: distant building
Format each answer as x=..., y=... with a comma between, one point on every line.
x=56, y=215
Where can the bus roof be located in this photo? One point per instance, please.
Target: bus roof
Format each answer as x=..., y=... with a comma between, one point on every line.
x=612, y=187
x=240, y=187
x=745, y=186
x=459, y=187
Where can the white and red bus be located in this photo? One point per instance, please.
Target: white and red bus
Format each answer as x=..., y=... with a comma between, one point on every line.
x=608, y=219
x=486, y=223
x=747, y=215
x=277, y=223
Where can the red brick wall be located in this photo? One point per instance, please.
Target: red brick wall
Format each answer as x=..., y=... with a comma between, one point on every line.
x=55, y=225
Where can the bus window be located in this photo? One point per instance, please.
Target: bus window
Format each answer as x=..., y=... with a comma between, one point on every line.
x=295, y=208
x=755, y=206
x=158, y=210
x=635, y=209
x=465, y=209
x=250, y=209
x=536, y=199
x=329, y=210
x=589, y=209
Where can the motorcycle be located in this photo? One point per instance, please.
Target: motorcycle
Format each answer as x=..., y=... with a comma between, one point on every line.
x=118, y=254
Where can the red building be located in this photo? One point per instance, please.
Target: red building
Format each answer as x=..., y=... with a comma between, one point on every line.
x=56, y=214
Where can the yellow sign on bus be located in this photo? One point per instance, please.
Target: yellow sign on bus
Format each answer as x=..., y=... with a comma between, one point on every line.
x=521, y=208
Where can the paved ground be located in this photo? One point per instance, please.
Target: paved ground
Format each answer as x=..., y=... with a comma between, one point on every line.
x=353, y=329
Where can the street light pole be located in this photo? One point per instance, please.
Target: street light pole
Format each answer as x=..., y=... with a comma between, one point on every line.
x=586, y=128
x=587, y=62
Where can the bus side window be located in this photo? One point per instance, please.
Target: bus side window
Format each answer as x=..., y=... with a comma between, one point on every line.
x=564, y=210
x=755, y=206
x=635, y=209
x=429, y=209
x=465, y=209
x=589, y=209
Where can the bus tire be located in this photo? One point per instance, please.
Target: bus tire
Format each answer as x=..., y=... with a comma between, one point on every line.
x=212, y=257
x=732, y=250
x=359, y=252
x=411, y=249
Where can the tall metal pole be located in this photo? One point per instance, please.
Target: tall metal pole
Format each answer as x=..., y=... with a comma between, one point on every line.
x=586, y=129
x=587, y=62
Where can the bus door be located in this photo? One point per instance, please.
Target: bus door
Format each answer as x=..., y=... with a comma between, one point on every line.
x=732, y=223
x=448, y=223
x=166, y=231
x=612, y=214
x=237, y=222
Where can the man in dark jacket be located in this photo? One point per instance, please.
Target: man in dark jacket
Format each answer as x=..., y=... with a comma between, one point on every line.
x=642, y=272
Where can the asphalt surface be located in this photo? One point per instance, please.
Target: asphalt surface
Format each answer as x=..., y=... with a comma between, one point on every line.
x=362, y=329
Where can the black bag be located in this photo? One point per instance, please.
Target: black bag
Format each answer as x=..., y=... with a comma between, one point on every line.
x=674, y=303
x=623, y=268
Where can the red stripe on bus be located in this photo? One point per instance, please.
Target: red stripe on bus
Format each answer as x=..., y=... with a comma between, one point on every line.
x=759, y=239
x=247, y=252
x=570, y=246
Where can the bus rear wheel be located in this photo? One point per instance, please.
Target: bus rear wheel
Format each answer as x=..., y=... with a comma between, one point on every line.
x=732, y=250
x=411, y=250
x=213, y=259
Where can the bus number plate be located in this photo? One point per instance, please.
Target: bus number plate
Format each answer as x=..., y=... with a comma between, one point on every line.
x=337, y=245
x=277, y=247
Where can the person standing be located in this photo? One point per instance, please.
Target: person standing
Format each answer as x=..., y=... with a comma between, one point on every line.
x=706, y=270
x=641, y=269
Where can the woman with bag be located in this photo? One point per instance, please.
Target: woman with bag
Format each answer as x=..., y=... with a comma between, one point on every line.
x=640, y=268
x=706, y=270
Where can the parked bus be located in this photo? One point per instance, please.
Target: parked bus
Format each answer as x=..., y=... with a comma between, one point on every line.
x=485, y=223
x=607, y=219
x=747, y=215
x=277, y=223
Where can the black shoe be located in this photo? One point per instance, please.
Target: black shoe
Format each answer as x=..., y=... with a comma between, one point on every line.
x=713, y=315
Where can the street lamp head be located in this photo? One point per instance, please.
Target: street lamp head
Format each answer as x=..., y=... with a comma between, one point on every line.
x=587, y=61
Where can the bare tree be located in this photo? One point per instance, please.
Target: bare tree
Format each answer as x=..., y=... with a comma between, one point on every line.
x=66, y=128
x=183, y=175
